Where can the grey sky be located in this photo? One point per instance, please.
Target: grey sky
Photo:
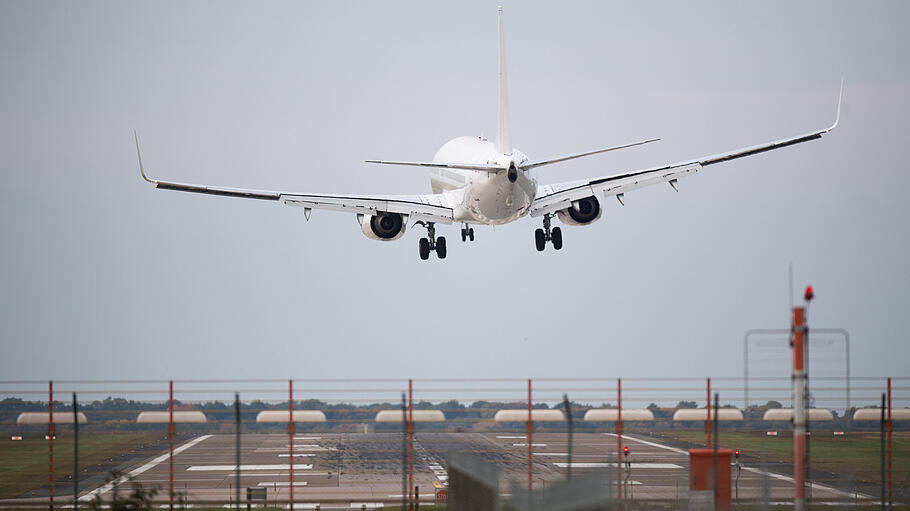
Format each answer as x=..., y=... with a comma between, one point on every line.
x=104, y=277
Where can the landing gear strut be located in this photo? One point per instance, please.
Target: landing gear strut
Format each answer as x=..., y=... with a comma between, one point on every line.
x=467, y=233
x=431, y=242
x=542, y=236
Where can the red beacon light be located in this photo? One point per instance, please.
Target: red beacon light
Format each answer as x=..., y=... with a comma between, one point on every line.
x=736, y=453
x=625, y=450
x=809, y=294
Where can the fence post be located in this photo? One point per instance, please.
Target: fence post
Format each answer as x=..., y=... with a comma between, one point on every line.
x=410, y=444
x=716, y=439
x=237, y=447
x=619, y=485
x=882, y=434
x=170, y=440
x=889, y=426
x=404, y=453
x=530, y=435
x=51, y=433
x=291, y=428
x=75, y=454
x=568, y=407
x=708, y=415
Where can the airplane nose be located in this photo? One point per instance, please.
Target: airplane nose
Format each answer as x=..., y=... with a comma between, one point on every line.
x=513, y=173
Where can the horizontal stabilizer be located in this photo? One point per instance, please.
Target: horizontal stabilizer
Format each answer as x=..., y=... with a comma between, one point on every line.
x=541, y=163
x=465, y=166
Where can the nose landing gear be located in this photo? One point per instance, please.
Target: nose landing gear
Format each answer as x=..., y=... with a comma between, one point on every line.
x=431, y=242
x=542, y=236
x=467, y=233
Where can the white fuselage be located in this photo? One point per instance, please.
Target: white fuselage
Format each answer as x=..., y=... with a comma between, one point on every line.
x=482, y=197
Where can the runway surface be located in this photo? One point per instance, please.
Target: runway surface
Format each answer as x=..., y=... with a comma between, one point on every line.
x=351, y=470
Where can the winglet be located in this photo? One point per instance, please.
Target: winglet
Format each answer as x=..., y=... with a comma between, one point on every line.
x=840, y=100
x=139, y=154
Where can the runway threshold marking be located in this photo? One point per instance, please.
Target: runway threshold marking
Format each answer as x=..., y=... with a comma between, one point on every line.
x=613, y=465
x=228, y=468
x=281, y=483
x=144, y=468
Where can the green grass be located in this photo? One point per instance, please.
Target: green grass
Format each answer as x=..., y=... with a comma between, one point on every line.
x=24, y=463
x=855, y=455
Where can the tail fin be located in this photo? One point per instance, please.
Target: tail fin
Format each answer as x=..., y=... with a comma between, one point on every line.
x=503, y=144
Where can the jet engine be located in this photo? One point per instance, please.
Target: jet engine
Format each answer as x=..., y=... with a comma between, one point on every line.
x=383, y=226
x=581, y=212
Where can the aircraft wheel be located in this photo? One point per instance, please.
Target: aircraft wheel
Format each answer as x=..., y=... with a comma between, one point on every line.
x=556, y=236
x=464, y=234
x=441, y=247
x=424, y=248
x=471, y=233
x=540, y=239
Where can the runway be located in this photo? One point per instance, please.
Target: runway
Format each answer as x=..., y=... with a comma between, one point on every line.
x=352, y=470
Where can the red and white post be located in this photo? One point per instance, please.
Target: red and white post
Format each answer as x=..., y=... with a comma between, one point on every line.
x=799, y=407
x=619, y=438
x=530, y=435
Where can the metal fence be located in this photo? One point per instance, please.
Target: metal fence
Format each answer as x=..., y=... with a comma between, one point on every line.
x=383, y=441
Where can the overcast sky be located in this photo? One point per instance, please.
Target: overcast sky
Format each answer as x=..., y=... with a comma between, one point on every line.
x=105, y=277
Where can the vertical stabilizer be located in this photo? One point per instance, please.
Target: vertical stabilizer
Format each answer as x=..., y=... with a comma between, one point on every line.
x=503, y=144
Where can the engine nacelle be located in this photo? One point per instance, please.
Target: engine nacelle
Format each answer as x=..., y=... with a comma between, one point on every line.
x=383, y=226
x=581, y=212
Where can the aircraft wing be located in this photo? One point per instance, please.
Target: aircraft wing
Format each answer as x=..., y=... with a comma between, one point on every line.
x=429, y=208
x=558, y=196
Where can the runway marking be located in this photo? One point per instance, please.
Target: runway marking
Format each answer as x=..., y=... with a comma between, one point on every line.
x=551, y=454
x=652, y=444
x=303, y=454
x=532, y=445
x=814, y=485
x=144, y=468
x=750, y=469
x=613, y=465
x=281, y=483
x=307, y=438
x=228, y=468
x=277, y=474
x=512, y=437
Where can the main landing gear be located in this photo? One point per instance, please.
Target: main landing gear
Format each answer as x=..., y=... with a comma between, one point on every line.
x=431, y=242
x=542, y=236
x=467, y=233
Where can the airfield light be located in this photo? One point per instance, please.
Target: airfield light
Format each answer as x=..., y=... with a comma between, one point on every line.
x=736, y=453
x=625, y=450
x=809, y=294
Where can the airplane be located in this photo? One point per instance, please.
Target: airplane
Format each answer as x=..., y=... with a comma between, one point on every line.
x=478, y=182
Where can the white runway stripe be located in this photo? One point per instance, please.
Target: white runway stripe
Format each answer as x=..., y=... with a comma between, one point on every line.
x=608, y=465
x=281, y=483
x=228, y=468
x=133, y=473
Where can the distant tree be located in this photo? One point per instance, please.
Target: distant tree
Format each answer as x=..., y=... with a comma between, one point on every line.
x=687, y=404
